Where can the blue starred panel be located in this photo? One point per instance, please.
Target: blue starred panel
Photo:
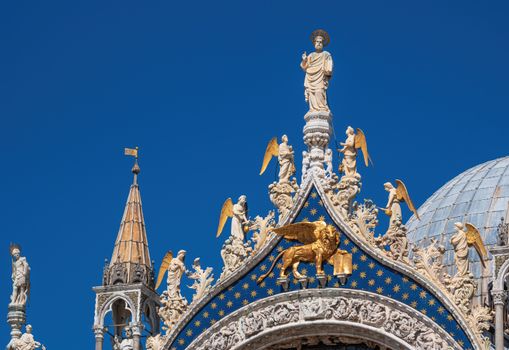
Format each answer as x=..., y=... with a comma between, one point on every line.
x=368, y=275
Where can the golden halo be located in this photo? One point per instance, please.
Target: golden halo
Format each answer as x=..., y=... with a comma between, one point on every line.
x=323, y=34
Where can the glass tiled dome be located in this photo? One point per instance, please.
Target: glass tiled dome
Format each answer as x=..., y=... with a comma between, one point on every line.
x=479, y=195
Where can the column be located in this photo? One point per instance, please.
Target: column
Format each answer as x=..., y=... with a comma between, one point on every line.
x=137, y=336
x=99, y=337
x=499, y=297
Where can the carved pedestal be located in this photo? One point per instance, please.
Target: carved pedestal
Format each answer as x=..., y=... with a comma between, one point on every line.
x=16, y=318
x=317, y=135
x=322, y=280
x=303, y=282
x=284, y=283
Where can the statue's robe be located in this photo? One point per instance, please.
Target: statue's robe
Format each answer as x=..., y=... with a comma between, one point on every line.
x=460, y=244
x=26, y=342
x=350, y=157
x=318, y=72
x=286, y=167
x=239, y=217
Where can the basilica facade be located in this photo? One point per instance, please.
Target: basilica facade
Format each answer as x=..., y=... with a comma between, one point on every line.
x=317, y=271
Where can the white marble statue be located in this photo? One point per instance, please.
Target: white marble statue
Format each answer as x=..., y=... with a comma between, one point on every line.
x=393, y=207
x=20, y=277
x=460, y=244
x=239, y=219
x=328, y=162
x=173, y=303
x=354, y=141
x=466, y=235
x=349, y=162
x=124, y=344
x=318, y=67
x=238, y=212
x=286, y=162
x=285, y=156
x=25, y=342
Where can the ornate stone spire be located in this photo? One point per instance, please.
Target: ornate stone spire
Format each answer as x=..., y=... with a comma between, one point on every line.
x=130, y=262
x=318, y=67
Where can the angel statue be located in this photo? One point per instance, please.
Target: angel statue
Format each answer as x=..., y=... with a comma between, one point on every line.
x=396, y=196
x=466, y=235
x=238, y=213
x=353, y=142
x=320, y=244
x=318, y=68
x=284, y=154
x=20, y=277
x=174, y=304
x=25, y=342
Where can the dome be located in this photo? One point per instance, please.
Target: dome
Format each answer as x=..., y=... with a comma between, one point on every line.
x=479, y=195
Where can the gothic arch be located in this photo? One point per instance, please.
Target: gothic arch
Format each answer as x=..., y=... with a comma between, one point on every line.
x=106, y=307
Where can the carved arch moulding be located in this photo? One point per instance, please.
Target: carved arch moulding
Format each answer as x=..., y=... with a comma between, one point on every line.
x=327, y=312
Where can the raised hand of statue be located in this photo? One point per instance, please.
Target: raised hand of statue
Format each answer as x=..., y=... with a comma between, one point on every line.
x=304, y=56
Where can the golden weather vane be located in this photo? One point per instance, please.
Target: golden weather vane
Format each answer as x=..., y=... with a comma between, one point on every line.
x=131, y=152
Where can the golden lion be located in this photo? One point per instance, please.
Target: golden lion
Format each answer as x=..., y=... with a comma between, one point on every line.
x=320, y=245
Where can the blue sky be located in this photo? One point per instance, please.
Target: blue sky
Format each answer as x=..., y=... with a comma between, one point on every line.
x=201, y=87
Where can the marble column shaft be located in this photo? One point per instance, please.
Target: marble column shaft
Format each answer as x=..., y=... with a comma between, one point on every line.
x=499, y=298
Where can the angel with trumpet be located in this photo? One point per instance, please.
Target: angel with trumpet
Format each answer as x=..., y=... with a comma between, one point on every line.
x=285, y=156
x=238, y=213
x=354, y=142
x=467, y=235
x=396, y=196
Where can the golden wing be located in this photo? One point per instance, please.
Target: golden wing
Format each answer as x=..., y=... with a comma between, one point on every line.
x=226, y=212
x=271, y=151
x=304, y=232
x=474, y=239
x=164, y=266
x=403, y=195
x=360, y=142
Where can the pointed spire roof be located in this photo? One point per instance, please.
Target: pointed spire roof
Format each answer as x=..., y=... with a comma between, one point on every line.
x=130, y=261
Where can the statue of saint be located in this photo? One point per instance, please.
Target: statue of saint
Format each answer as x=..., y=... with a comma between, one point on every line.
x=20, y=277
x=318, y=68
x=26, y=341
x=124, y=344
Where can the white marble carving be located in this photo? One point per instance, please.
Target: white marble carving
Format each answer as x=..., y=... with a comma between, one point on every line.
x=234, y=253
x=155, y=342
x=25, y=342
x=20, y=277
x=173, y=303
x=126, y=343
x=261, y=227
x=281, y=195
x=318, y=67
x=242, y=330
x=286, y=160
x=202, y=280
